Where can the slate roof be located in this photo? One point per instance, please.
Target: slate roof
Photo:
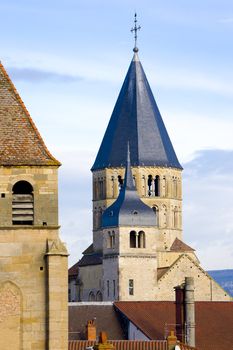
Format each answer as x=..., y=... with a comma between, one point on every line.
x=20, y=141
x=136, y=118
x=214, y=321
x=128, y=209
x=90, y=259
x=179, y=246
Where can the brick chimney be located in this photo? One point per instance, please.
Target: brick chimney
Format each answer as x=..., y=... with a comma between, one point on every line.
x=91, y=330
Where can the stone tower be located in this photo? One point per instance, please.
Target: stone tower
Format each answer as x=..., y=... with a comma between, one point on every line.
x=129, y=227
x=156, y=169
x=33, y=260
x=138, y=251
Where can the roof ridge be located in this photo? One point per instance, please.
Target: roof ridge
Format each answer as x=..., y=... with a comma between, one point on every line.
x=19, y=99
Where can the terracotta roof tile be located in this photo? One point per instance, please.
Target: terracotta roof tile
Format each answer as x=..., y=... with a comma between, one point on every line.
x=122, y=344
x=20, y=141
x=179, y=246
x=214, y=321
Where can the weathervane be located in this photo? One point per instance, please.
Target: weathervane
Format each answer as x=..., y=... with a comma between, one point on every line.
x=135, y=30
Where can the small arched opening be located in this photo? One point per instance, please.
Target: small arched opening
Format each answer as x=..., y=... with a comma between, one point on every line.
x=99, y=296
x=132, y=240
x=157, y=186
x=149, y=184
x=156, y=211
x=120, y=182
x=91, y=296
x=22, y=203
x=141, y=239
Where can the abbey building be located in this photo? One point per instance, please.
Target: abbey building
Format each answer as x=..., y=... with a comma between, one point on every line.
x=138, y=252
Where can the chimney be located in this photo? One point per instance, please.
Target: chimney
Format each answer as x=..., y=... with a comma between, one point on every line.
x=103, y=343
x=91, y=330
x=189, y=311
x=180, y=313
x=172, y=341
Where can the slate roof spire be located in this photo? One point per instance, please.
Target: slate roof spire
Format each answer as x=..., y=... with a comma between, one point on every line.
x=20, y=141
x=136, y=118
x=128, y=209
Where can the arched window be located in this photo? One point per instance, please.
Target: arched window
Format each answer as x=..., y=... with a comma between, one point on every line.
x=144, y=186
x=91, y=296
x=112, y=186
x=141, y=240
x=164, y=186
x=156, y=211
x=120, y=181
x=174, y=187
x=111, y=239
x=157, y=186
x=22, y=203
x=149, y=183
x=99, y=296
x=132, y=240
x=176, y=217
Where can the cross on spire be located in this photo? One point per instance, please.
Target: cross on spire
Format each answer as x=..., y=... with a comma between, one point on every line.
x=135, y=30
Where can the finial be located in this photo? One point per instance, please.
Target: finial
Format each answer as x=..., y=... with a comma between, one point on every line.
x=135, y=30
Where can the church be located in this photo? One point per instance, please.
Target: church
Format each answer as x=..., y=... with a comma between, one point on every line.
x=138, y=251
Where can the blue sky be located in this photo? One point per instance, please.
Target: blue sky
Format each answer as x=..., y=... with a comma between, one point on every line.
x=68, y=60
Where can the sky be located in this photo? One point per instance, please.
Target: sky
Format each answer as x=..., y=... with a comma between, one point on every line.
x=68, y=60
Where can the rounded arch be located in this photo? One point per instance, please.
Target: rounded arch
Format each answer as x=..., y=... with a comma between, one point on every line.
x=141, y=239
x=176, y=217
x=156, y=211
x=150, y=185
x=22, y=187
x=133, y=239
x=157, y=186
x=22, y=203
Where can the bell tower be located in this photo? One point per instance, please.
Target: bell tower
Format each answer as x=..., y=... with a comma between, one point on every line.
x=155, y=167
x=129, y=246
x=33, y=260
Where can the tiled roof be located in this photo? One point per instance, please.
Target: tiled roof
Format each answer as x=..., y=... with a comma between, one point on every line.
x=136, y=119
x=179, y=246
x=122, y=345
x=73, y=270
x=105, y=320
x=214, y=321
x=20, y=141
x=91, y=259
